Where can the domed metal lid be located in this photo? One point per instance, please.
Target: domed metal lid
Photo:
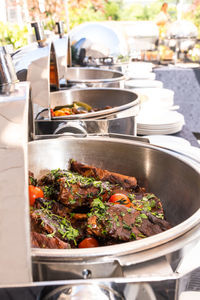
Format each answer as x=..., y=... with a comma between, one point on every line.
x=97, y=41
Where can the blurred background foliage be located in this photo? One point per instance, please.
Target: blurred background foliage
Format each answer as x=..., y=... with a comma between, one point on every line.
x=13, y=34
x=80, y=11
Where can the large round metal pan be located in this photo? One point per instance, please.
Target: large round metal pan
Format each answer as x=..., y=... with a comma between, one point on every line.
x=94, y=77
x=175, y=181
x=99, y=98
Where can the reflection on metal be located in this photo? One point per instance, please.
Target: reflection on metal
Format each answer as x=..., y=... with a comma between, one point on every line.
x=84, y=292
x=120, y=118
x=15, y=256
x=8, y=76
x=96, y=40
x=147, y=269
x=39, y=33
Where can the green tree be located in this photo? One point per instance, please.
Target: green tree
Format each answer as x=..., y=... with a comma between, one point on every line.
x=13, y=34
x=113, y=10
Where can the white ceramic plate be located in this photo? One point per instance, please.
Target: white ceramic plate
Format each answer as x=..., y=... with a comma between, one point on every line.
x=155, y=96
x=160, y=119
x=141, y=75
x=140, y=66
x=172, y=130
x=132, y=84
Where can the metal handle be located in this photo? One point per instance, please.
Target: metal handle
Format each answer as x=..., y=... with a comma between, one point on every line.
x=60, y=28
x=72, y=128
x=155, y=263
x=69, y=54
x=7, y=72
x=39, y=33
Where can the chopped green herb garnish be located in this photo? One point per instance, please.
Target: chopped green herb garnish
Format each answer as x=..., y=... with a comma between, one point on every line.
x=131, y=197
x=152, y=203
x=50, y=235
x=141, y=235
x=126, y=226
x=132, y=236
x=72, y=201
x=143, y=216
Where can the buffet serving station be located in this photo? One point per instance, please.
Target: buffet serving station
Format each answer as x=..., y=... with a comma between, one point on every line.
x=158, y=267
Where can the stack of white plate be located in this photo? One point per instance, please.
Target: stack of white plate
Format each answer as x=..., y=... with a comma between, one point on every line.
x=159, y=122
x=155, y=97
x=143, y=83
x=140, y=66
x=141, y=75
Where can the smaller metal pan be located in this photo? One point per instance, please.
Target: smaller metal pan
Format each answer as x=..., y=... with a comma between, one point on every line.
x=119, y=100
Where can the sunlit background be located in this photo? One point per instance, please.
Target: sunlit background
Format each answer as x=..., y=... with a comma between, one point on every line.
x=16, y=15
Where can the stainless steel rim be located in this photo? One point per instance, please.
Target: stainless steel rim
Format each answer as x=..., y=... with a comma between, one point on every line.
x=120, y=77
x=102, y=113
x=130, y=247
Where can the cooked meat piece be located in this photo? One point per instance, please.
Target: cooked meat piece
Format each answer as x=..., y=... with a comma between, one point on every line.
x=163, y=224
x=77, y=204
x=43, y=221
x=80, y=217
x=39, y=240
x=77, y=195
x=124, y=224
x=149, y=229
x=147, y=202
x=116, y=222
x=149, y=224
x=126, y=182
x=46, y=179
x=31, y=179
x=56, y=207
x=78, y=220
x=74, y=195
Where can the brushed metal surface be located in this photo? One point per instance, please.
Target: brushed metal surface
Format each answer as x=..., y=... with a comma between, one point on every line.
x=98, y=40
x=119, y=100
x=8, y=76
x=173, y=180
x=15, y=256
x=94, y=77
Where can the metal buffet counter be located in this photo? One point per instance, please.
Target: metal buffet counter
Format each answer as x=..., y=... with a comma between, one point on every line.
x=161, y=271
x=185, y=82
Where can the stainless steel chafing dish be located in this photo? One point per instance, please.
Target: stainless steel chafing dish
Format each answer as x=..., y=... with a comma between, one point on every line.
x=182, y=36
x=100, y=44
x=118, y=119
x=94, y=77
x=61, y=73
x=96, y=43
x=158, y=259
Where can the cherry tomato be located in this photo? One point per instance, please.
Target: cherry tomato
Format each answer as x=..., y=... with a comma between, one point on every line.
x=120, y=199
x=34, y=193
x=52, y=113
x=88, y=243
